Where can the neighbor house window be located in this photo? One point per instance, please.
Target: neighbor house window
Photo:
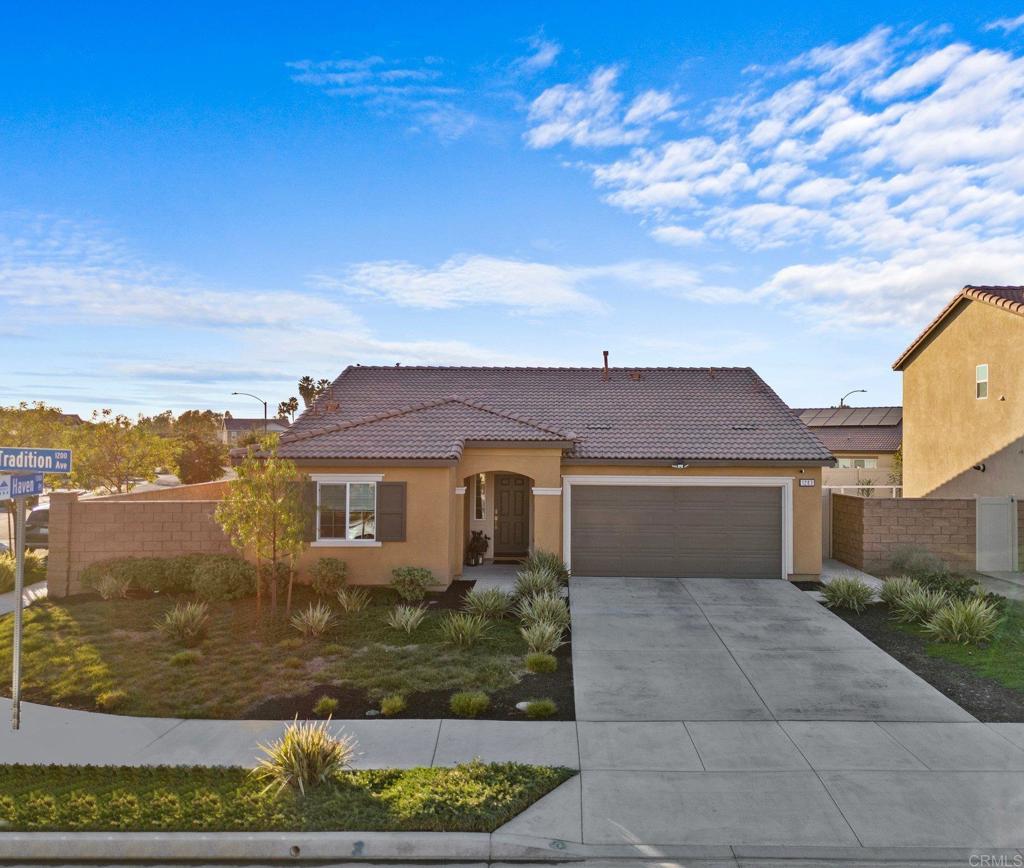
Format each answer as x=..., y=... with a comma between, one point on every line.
x=862, y=463
x=981, y=381
x=347, y=510
x=481, y=495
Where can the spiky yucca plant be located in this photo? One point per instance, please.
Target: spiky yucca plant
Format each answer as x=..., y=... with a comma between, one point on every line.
x=406, y=618
x=897, y=587
x=463, y=630
x=547, y=562
x=543, y=607
x=918, y=606
x=353, y=599
x=488, y=603
x=966, y=622
x=315, y=620
x=307, y=755
x=529, y=583
x=847, y=592
x=185, y=623
x=542, y=637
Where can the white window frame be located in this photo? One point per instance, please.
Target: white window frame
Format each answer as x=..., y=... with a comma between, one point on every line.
x=783, y=482
x=840, y=466
x=345, y=479
x=978, y=381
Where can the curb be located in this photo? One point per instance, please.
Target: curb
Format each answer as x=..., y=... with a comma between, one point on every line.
x=29, y=847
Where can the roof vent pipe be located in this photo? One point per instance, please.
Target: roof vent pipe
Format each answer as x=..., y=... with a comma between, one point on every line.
x=604, y=372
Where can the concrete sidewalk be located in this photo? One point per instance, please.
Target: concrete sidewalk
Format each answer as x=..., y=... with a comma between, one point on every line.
x=29, y=595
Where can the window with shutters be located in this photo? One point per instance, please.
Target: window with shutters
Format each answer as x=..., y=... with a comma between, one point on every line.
x=346, y=511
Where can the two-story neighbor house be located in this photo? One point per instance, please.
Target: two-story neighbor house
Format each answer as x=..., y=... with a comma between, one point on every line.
x=963, y=398
x=864, y=441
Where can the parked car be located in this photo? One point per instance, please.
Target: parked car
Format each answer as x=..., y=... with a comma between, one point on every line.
x=37, y=528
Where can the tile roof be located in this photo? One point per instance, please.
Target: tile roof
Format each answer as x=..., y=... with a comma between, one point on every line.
x=680, y=414
x=855, y=429
x=861, y=439
x=1008, y=298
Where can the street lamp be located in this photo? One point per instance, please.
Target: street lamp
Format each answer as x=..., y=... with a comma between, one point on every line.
x=264, y=403
x=842, y=401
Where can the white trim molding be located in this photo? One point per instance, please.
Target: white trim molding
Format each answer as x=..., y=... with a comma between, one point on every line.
x=551, y=491
x=460, y=489
x=345, y=544
x=338, y=478
x=785, y=483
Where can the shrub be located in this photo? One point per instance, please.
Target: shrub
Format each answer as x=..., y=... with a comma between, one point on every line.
x=469, y=703
x=896, y=587
x=954, y=587
x=306, y=756
x=185, y=658
x=185, y=623
x=543, y=637
x=110, y=586
x=547, y=562
x=539, y=709
x=847, y=592
x=329, y=575
x=353, y=599
x=918, y=606
x=411, y=583
x=158, y=575
x=543, y=607
x=108, y=700
x=325, y=706
x=458, y=628
x=315, y=620
x=488, y=603
x=35, y=569
x=917, y=563
x=223, y=577
x=392, y=705
x=406, y=618
x=538, y=662
x=529, y=583
x=966, y=622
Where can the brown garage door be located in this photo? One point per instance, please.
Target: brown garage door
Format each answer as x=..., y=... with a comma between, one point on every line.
x=671, y=530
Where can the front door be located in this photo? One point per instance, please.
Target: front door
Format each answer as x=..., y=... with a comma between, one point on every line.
x=511, y=514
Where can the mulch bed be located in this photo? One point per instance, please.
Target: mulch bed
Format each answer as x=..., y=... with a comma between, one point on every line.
x=353, y=702
x=986, y=699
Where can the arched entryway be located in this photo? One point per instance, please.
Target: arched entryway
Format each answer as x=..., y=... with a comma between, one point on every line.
x=498, y=505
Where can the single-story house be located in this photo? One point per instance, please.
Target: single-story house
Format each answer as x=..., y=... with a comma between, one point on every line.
x=621, y=471
x=864, y=441
x=235, y=427
x=963, y=385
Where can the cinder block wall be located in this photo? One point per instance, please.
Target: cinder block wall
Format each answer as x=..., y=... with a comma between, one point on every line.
x=85, y=531
x=867, y=532
x=199, y=491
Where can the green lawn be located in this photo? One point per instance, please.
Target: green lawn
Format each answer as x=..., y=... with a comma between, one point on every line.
x=470, y=798
x=1002, y=659
x=96, y=654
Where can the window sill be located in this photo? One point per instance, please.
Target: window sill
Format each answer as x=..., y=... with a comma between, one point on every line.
x=345, y=543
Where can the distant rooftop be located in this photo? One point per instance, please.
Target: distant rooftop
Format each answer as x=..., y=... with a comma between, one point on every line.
x=856, y=429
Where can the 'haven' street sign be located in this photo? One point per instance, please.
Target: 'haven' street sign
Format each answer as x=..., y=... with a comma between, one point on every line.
x=21, y=485
x=22, y=459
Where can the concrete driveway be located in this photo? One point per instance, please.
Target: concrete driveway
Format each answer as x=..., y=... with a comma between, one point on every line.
x=719, y=718
x=732, y=649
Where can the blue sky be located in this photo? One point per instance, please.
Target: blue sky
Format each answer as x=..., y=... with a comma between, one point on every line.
x=195, y=201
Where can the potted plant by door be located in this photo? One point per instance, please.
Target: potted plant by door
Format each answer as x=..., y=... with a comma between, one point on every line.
x=476, y=548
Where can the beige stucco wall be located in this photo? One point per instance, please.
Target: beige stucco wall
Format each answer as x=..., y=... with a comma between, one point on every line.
x=806, y=501
x=430, y=505
x=853, y=475
x=946, y=430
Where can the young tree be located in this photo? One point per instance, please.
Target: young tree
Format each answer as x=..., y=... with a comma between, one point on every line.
x=199, y=456
x=263, y=513
x=112, y=453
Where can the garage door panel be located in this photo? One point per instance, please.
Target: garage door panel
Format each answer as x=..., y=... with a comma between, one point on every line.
x=684, y=531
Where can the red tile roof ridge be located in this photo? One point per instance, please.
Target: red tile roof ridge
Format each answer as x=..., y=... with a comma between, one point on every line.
x=295, y=437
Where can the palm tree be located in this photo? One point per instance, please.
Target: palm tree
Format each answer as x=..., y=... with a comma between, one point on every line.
x=307, y=389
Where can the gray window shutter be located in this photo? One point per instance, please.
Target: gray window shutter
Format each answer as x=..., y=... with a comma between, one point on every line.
x=309, y=510
x=391, y=511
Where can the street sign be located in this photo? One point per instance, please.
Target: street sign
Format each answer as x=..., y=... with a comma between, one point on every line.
x=26, y=484
x=21, y=459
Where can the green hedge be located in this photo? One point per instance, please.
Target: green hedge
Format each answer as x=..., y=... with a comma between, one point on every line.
x=469, y=798
x=35, y=569
x=213, y=577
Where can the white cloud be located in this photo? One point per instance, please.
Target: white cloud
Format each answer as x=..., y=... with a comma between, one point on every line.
x=543, y=54
x=875, y=172
x=534, y=288
x=591, y=115
x=1007, y=25
x=415, y=91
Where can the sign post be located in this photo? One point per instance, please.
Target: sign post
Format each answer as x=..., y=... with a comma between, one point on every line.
x=28, y=465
